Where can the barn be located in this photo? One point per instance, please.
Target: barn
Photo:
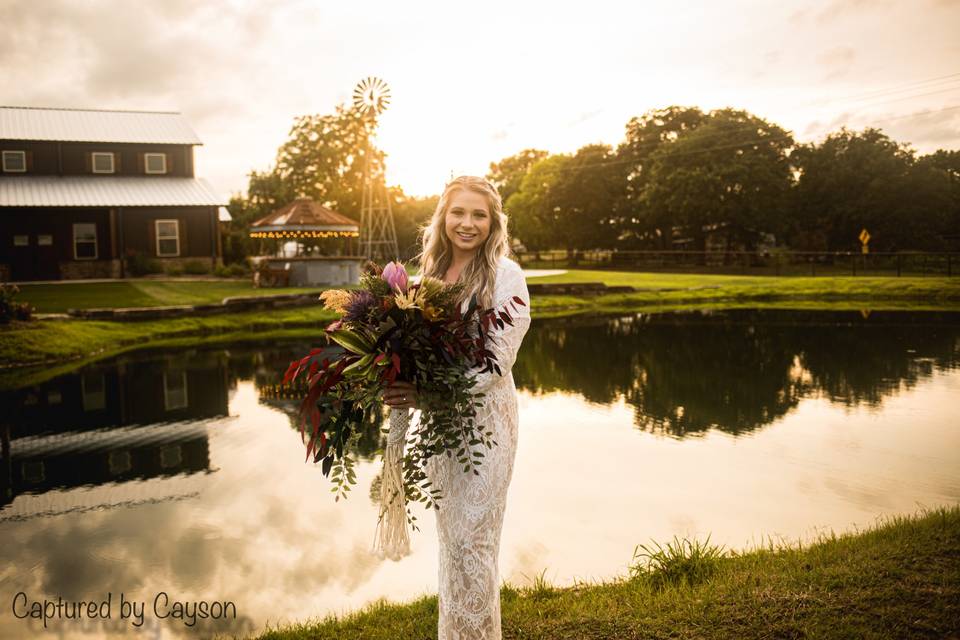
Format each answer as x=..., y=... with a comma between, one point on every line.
x=86, y=193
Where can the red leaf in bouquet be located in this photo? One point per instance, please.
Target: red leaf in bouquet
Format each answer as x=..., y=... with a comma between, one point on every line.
x=519, y=300
x=396, y=362
x=291, y=372
x=314, y=366
x=506, y=318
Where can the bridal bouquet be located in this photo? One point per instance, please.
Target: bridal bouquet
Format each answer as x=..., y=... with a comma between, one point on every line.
x=392, y=329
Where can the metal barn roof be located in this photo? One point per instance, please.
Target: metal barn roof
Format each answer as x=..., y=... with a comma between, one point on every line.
x=92, y=125
x=106, y=191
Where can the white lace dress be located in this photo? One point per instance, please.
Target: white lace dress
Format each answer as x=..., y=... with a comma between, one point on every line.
x=470, y=515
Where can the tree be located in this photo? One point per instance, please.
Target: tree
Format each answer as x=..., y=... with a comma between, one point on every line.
x=533, y=209
x=587, y=194
x=636, y=223
x=849, y=182
x=507, y=174
x=324, y=159
x=410, y=214
x=732, y=171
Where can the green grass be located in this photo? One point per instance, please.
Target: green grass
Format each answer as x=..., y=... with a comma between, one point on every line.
x=54, y=342
x=59, y=341
x=57, y=298
x=682, y=290
x=898, y=579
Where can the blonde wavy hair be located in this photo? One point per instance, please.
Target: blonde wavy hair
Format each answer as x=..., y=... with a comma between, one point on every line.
x=437, y=254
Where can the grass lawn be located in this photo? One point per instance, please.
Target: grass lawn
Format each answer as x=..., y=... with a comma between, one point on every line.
x=899, y=579
x=57, y=341
x=666, y=290
x=656, y=288
x=57, y=298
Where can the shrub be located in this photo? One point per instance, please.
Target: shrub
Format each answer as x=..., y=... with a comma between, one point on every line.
x=175, y=270
x=140, y=265
x=196, y=267
x=234, y=270
x=9, y=308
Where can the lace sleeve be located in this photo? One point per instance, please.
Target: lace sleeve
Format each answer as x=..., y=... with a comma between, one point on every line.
x=505, y=343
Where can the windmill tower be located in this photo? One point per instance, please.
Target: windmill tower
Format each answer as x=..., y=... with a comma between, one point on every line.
x=378, y=236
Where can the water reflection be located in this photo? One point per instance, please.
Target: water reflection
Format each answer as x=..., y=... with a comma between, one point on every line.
x=182, y=472
x=735, y=370
x=111, y=423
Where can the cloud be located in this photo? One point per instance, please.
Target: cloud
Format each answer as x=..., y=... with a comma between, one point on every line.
x=926, y=131
x=841, y=8
x=584, y=116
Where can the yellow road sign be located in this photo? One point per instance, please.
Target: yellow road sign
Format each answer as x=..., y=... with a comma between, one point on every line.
x=864, y=236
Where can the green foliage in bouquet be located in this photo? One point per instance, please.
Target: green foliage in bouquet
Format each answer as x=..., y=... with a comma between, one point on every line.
x=391, y=330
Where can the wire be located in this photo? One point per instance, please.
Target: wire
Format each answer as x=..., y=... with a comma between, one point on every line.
x=729, y=146
x=895, y=89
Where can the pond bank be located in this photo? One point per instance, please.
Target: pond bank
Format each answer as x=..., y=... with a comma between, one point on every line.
x=57, y=341
x=900, y=579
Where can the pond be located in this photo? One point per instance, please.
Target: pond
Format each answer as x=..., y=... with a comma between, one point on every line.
x=180, y=473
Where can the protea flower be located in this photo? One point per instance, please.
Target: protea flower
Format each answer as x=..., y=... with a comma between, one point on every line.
x=359, y=304
x=410, y=299
x=396, y=276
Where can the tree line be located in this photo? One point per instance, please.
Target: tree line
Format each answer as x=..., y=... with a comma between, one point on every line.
x=680, y=177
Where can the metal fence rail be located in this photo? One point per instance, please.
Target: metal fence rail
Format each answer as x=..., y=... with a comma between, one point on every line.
x=779, y=263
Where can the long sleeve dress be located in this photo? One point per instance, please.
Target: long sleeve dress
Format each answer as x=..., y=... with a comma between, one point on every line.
x=471, y=507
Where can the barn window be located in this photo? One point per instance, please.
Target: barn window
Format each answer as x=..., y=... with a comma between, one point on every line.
x=21, y=241
x=85, y=241
x=174, y=390
x=155, y=162
x=94, y=391
x=168, y=237
x=14, y=161
x=102, y=162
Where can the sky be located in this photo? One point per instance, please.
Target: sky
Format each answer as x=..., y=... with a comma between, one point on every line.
x=472, y=83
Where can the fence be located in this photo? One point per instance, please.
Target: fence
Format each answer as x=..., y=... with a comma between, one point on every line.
x=778, y=263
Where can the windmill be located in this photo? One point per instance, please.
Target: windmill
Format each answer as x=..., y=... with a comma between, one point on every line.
x=378, y=236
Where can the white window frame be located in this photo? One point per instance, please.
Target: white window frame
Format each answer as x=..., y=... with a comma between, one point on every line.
x=93, y=388
x=146, y=163
x=156, y=229
x=95, y=240
x=93, y=161
x=172, y=400
x=21, y=240
x=12, y=154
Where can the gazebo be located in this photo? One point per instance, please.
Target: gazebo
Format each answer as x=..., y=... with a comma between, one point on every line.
x=331, y=240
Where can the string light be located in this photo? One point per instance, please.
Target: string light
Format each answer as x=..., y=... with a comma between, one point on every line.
x=304, y=234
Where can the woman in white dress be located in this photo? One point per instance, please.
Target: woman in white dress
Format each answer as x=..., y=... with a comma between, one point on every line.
x=466, y=240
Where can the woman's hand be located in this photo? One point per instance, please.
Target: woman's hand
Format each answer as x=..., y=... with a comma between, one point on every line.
x=400, y=395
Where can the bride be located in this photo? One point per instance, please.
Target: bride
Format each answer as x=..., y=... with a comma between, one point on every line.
x=466, y=240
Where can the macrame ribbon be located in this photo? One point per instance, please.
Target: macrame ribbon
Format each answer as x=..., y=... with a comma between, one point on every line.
x=391, y=539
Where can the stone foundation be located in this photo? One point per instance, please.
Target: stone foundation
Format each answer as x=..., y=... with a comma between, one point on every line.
x=81, y=269
x=182, y=261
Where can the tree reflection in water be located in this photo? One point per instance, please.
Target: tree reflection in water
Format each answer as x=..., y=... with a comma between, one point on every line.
x=734, y=370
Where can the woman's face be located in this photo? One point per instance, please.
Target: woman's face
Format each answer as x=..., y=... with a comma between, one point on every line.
x=467, y=223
